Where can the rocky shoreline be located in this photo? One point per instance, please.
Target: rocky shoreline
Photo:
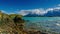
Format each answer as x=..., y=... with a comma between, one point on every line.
x=14, y=24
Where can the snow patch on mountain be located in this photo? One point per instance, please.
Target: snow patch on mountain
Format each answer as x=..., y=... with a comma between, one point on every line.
x=39, y=11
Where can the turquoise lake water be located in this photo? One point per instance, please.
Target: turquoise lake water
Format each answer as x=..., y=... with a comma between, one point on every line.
x=43, y=23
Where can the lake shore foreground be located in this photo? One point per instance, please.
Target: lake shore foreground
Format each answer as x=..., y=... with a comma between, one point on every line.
x=14, y=24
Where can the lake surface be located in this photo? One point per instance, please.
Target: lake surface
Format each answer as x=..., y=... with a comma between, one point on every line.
x=43, y=23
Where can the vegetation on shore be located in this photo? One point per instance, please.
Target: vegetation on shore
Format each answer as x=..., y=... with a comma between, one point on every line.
x=14, y=24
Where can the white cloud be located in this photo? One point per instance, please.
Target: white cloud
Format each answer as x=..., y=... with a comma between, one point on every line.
x=40, y=11
x=4, y=11
x=55, y=8
x=33, y=11
x=49, y=9
x=7, y=12
x=58, y=5
x=24, y=12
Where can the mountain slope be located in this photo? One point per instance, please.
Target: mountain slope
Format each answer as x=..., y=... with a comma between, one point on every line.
x=51, y=13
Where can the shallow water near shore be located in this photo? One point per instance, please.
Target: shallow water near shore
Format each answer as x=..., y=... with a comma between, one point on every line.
x=51, y=24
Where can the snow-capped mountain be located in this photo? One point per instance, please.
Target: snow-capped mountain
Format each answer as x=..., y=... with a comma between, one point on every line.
x=41, y=12
x=55, y=12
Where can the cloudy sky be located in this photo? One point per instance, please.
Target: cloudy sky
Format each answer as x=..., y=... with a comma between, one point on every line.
x=26, y=6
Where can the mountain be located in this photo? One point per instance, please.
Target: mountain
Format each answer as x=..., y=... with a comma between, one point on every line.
x=51, y=13
x=31, y=15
